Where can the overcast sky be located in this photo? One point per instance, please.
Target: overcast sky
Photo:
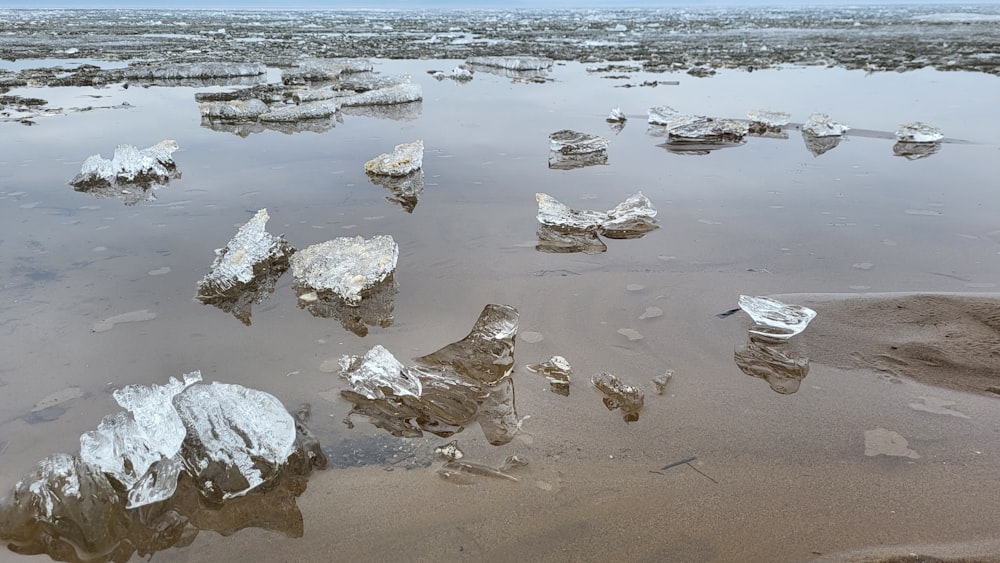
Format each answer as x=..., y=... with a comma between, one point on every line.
x=319, y=4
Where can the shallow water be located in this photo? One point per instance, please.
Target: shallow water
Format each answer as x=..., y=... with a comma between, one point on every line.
x=776, y=477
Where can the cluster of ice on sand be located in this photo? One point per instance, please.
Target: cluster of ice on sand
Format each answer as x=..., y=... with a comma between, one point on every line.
x=346, y=266
x=129, y=165
x=403, y=160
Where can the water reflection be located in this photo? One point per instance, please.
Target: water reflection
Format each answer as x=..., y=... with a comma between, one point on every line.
x=818, y=145
x=773, y=362
x=915, y=151
x=375, y=308
x=406, y=190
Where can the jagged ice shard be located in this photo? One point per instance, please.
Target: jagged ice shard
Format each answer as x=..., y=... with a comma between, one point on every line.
x=140, y=448
x=631, y=218
x=917, y=132
x=246, y=271
x=378, y=369
x=774, y=319
x=346, y=266
x=129, y=165
x=820, y=125
x=405, y=159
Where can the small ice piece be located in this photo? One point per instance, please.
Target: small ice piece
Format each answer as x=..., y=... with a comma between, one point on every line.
x=378, y=369
x=917, y=132
x=405, y=158
x=708, y=130
x=763, y=121
x=458, y=74
x=616, y=116
x=397, y=94
x=617, y=395
x=773, y=363
x=140, y=448
x=237, y=438
x=347, y=266
x=486, y=354
x=820, y=125
x=129, y=166
x=774, y=319
x=512, y=62
x=557, y=370
x=449, y=451
x=234, y=110
x=572, y=149
x=660, y=382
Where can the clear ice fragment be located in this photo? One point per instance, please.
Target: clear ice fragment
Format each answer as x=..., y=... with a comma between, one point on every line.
x=140, y=448
x=246, y=271
x=129, y=165
x=346, y=266
x=618, y=395
x=486, y=354
x=405, y=159
x=631, y=218
x=820, y=125
x=572, y=149
x=765, y=120
x=557, y=370
x=237, y=438
x=660, y=382
x=917, y=132
x=378, y=369
x=774, y=319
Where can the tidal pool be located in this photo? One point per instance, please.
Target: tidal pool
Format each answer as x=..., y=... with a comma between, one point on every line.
x=820, y=472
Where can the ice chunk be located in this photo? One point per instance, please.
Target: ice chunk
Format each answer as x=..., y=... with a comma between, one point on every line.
x=129, y=165
x=405, y=159
x=618, y=395
x=917, y=132
x=660, y=382
x=397, y=94
x=774, y=319
x=486, y=354
x=140, y=449
x=631, y=218
x=346, y=266
x=512, y=62
x=572, y=149
x=458, y=74
x=557, y=370
x=763, y=122
x=820, y=125
x=616, y=116
x=774, y=363
x=463, y=382
x=247, y=270
x=705, y=132
x=237, y=438
x=234, y=110
x=306, y=110
x=378, y=369
x=319, y=70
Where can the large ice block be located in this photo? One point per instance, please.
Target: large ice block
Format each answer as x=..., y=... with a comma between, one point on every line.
x=395, y=94
x=237, y=438
x=774, y=319
x=247, y=269
x=486, y=354
x=129, y=165
x=512, y=62
x=346, y=266
x=405, y=159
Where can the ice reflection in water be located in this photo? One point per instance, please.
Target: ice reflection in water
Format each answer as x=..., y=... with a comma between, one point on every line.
x=773, y=362
x=465, y=381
